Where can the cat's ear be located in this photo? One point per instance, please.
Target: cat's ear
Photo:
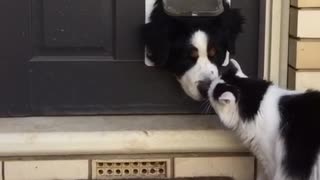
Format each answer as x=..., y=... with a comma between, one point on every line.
x=238, y=67
x=227, y=59
x=227, y=98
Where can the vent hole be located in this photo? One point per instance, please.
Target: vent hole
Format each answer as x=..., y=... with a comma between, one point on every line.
x=152, y=171
x=144, y=171
x=109, y=171
x=126, y=171
x=135, y=171
x=109, y=164
x=161, y=171
x=118, y=171
x=100, y=164
x=135, y=163
x=100, y=171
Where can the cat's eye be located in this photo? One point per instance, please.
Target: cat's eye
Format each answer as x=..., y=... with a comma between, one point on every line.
x=194, y=54
x=211, y=52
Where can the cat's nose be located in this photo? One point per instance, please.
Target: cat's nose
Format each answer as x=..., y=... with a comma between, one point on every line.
x=203, y=87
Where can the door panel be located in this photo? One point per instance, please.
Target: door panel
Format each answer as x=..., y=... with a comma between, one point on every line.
x=129, y=18
x=247, y=45
x=104, y=87
x=77, y=23
x=88, y=60
x=72, y=27
x=69, y=57
x=15, y=50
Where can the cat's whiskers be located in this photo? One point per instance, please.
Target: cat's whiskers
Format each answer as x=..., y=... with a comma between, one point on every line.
x=207, y=107
x=204, y=106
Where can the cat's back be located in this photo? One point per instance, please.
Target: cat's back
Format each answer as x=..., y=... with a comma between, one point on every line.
x=300, y=131
x=302, y=108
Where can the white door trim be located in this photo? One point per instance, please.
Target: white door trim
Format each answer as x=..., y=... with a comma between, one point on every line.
x=276, y=41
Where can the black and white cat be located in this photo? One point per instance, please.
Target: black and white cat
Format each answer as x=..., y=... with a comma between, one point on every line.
x=281, y=127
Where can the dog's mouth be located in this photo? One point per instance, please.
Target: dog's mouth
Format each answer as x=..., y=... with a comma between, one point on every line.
x=203, y=87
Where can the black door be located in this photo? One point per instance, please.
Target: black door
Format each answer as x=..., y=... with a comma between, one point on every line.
x=67, y=57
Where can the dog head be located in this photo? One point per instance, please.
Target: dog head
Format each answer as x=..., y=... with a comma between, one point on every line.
x=195, y=48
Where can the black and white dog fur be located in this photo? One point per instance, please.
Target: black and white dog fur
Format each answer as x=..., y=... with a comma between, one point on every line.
x=281, y=127
x=193, y=49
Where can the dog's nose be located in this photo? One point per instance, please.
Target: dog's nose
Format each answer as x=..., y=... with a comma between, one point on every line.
x=203, y=87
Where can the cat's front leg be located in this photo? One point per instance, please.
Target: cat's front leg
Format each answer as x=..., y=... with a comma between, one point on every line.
x=261, y=173
x=262, y=177
x=280, y=175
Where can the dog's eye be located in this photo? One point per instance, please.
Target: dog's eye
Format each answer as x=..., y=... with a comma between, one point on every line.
x=212, y=52
x=194, y=54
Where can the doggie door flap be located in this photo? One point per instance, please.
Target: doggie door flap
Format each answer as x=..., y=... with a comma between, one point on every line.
x=193, y=7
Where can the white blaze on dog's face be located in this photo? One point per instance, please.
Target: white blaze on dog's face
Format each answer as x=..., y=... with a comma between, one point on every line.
x=202, y=70
x=224, y=100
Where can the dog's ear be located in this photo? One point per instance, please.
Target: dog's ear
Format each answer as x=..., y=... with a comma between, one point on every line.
x=156, y=39
x=232, y=22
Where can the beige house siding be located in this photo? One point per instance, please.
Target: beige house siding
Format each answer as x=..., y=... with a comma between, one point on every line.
x=239, y=168
x=305, y=3
x=304, y=53
x=304, y=22
x=304, y=45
